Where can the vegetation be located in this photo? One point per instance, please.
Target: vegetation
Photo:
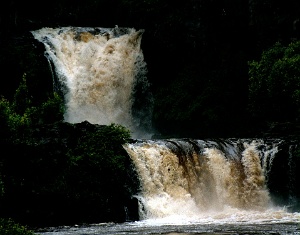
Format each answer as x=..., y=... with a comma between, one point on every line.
x=53, y=171
x=9, y=227
x=20, y=114
x=274, y=84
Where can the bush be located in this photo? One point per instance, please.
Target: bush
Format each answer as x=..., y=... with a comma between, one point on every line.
x=66, y=173
x=98, y=174
x=52, y=110
x=274, y=89
x=20, y=114
x=9, y=227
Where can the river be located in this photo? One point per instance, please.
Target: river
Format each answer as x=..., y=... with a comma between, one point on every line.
x=216, y=228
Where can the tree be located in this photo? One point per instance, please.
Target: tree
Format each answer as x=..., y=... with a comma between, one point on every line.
x=274, y=89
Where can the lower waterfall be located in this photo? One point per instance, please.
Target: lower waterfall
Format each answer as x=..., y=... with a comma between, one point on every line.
x=206, y=179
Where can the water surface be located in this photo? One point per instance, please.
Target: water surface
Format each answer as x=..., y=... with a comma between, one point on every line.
x=284, y=226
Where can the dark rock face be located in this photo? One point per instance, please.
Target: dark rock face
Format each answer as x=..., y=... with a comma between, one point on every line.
x=283, y=178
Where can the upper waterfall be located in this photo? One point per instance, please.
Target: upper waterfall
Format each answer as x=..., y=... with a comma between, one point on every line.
x=98, y=70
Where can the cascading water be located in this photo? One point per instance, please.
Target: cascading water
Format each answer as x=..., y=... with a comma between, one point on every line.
x=183, y=181
x=98, y=70
x=197, y=180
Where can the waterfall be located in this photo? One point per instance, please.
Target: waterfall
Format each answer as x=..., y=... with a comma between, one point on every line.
x=98, y=71
x=192, y=178
x=101, y=73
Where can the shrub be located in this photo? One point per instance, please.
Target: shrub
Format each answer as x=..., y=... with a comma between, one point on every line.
x=9, y=227
x=274, y=89
x=20, y=114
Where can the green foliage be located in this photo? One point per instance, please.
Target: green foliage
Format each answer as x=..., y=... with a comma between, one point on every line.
x=98, y=171
x=10, y=121
x=101, y=148
x=67, y=172
x=20, y=114
x=74, y=164
x=22, y=99
x=9, y=227
x=4, y=117
x=274, y=83
x=50, y=111
x=99, y=160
